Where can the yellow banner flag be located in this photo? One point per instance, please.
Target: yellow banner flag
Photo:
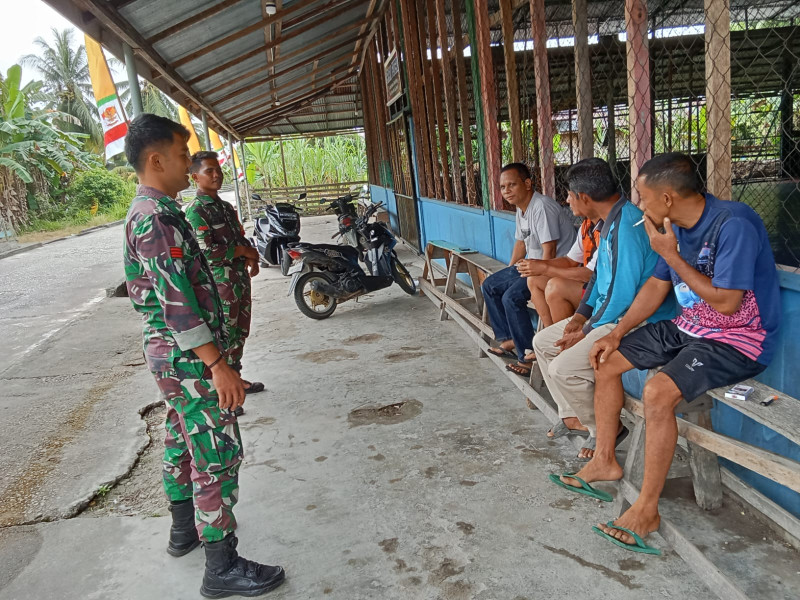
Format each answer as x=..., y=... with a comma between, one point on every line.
x=218, y=147
x=186, y=121
x=112, y=116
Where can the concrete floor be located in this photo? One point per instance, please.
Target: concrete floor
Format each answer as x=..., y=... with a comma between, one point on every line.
x=445, y=497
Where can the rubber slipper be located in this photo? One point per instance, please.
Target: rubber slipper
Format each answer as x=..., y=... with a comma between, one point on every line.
x=585, y=488
x=639, y=546
x=560, y=430
x=255, y=387
x=519, y=369
x=503, y=352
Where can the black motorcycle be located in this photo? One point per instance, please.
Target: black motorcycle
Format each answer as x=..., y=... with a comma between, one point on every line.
x=345, y=209
x=325, y=275
x=272, y=233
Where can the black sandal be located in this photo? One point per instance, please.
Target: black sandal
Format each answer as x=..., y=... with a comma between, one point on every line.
x=521, y=368
x=498, y=351
x=255, y=387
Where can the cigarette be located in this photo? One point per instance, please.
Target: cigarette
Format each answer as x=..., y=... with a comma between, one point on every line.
x=638, y=222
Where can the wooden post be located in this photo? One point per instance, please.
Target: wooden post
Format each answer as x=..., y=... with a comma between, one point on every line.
x=206, y=134
x=244, y=170
x=449, y=100
x=583, y=80
x=438, y=97
x=466, y=127
x=283, y=163
x=639, y=92
x=235, y=178
x=512, y=86
x=488, y=99
x=430, y=100
x=133, y=81
x=544, y=110
x=718, y=97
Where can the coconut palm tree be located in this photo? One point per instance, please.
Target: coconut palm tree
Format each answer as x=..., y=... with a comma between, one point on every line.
x=65, y=72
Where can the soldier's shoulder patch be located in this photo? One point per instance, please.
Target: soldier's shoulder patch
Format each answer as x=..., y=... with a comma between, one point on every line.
x=203, y=228
x=176, y=252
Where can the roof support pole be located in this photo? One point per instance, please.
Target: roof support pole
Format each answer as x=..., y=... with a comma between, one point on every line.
x=439, y=98
x=206, y=134
x=463, y=106
x=450, y=91
x=235, y=178
x=512, y=85
x=544, y=111
x=718, y=96
x=639, y=92
x=486, y=96
x=283, y=163
x=133, y=81
x=583, y=80
x=246, y=186
x=612, y=129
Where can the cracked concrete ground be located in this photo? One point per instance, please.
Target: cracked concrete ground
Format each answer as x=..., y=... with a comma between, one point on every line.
x=386, y=461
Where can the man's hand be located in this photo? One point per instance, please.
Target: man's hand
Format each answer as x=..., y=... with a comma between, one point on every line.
x=603, y=348
x=229, y=386
x=252, y=267
x=531, y=267
x=247, y=252
x=568, y=340
x=665, y=244
x=576, y=324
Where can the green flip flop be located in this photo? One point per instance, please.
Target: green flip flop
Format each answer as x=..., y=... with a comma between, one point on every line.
x=639, y=546
x=585, y=488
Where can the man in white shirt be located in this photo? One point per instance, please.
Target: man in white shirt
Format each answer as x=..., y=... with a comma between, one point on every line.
x=544, y=230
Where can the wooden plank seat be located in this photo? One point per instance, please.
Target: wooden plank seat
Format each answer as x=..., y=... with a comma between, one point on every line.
x=703, y=445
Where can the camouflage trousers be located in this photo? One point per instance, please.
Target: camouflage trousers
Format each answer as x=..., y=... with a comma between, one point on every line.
x=237, y=304
x=202, y=449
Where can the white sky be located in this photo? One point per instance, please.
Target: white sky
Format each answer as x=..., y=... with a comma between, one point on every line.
x=24, y=21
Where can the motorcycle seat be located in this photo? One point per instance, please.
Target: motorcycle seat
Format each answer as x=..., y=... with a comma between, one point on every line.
x=347, y=251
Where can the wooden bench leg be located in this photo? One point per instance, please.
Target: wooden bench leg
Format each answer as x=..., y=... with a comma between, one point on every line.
x=634, y=466
x=450, y=286
x=486, y=338
x=536, y=380
x=705, y=468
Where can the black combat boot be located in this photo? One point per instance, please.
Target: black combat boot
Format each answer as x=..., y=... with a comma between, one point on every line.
x=183, y=534
x=228, y=574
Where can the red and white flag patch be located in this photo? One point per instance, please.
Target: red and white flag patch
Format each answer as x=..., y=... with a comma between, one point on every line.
x=176, y=252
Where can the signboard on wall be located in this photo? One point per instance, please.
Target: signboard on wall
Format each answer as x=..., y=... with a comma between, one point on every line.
x=394, y=84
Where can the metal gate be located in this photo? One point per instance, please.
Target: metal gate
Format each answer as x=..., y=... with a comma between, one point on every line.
x=400, y=154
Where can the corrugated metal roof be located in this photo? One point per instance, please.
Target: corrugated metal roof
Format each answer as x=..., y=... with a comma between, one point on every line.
x=250, y=72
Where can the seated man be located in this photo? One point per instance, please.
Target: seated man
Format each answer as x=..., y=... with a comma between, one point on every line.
x=716, y=255
x=624, y=263
x=544, y=230
x=557, y=285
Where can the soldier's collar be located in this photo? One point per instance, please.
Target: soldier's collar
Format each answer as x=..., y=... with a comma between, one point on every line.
x=150, y=192
x=207, y=199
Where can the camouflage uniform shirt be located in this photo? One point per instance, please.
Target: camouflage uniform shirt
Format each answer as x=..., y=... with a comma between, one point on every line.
x=169, y=281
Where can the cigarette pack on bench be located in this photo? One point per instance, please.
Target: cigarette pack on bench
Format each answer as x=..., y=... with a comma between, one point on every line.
x=739, y=392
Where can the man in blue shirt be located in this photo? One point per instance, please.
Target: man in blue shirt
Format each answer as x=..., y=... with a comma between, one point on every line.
x=544, y=230
x=624, y=263
x=716, y=257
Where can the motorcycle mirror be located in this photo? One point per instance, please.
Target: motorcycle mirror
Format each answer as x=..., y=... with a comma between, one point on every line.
x=255, y=197
x=302, y=196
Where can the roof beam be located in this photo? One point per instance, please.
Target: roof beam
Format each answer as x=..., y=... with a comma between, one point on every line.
x=260, y=69
x=339, y=6
x=193, y=20
x=290, y=86
x=313, y=59
x=105, y=13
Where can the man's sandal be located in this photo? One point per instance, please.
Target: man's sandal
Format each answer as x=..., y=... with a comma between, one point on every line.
x=639, y=546
x=591, y=443
x=520, y=368
x=499, y=351
x=560, y=430
x=585, y=488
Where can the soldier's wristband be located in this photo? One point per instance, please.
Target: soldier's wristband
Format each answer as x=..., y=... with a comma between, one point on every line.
x=214, y=364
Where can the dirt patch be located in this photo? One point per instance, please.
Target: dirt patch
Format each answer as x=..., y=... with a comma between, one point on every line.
x=389, y=545
x=626, y=580
x=630, y=564
x=140, y=493
x=19, y=494
x=247, y=424
x=563, y=503
x=377, y=457
x=326, y=356
x=402, y=356
x=367, y=338
x=430, y=472
x=391, y=414
x=467, y=483
x=467, y=528
x=321, y=459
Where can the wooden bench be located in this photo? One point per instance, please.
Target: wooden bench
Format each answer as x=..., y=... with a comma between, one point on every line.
x=703, y=445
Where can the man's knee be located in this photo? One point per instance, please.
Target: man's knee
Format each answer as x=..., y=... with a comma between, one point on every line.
x=555, y=288
x=614, y=366
x=660, y=397
x=566, y=365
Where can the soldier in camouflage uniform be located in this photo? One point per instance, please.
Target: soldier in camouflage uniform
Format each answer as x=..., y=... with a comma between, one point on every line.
x=232, y=259
x=170, y=283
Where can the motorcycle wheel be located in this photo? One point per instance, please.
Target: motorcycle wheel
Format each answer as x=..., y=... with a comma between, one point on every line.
x=286, y=261
x=313, y=304
x=402, y=277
